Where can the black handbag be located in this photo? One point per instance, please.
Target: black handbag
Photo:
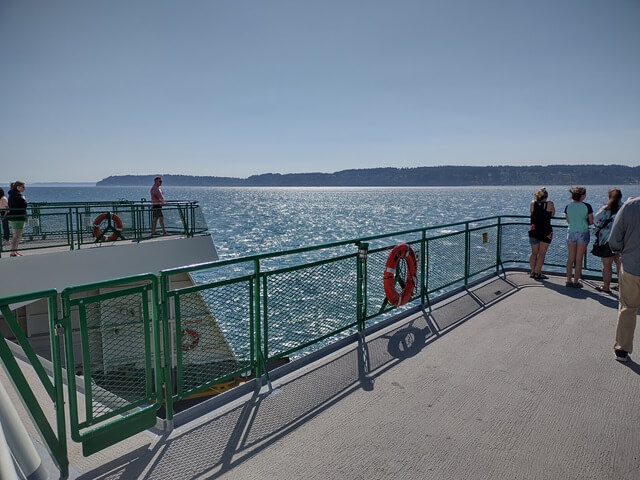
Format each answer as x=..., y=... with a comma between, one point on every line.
x=602, y=250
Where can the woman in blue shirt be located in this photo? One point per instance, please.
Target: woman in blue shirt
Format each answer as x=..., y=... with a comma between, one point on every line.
x=579, y=216
x=603, y=221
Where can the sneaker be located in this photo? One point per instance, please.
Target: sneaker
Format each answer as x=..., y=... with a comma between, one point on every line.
x=621, y=355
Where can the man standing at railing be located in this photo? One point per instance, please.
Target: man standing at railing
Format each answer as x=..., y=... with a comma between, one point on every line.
x=625, y=238
x=157, y=200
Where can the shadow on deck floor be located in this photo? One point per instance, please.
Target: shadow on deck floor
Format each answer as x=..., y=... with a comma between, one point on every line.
x=527, y=389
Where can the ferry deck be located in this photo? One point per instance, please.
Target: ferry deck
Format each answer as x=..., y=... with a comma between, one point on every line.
x=508, y=378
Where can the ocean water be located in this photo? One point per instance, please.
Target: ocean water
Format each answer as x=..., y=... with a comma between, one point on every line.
x=245, y=221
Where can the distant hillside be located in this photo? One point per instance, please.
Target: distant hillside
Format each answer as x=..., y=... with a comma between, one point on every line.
x=408, y=177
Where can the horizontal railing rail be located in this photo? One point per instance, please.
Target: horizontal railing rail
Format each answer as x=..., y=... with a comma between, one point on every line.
x=245, y=314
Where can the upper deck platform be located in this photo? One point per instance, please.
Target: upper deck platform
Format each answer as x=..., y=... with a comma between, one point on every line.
x=513, y=378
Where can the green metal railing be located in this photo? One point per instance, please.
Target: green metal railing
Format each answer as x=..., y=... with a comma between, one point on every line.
x=118, y=337
x=74, y=224
x=136, y=342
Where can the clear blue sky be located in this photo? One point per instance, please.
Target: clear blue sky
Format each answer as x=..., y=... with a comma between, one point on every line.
x=90, y=89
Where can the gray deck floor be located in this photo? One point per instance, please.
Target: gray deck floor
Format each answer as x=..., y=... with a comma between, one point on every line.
x=515, y=381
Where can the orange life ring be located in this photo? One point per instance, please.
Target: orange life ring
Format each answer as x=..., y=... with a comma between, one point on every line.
x=117, y=223
x=195, y=339
x=399, y=252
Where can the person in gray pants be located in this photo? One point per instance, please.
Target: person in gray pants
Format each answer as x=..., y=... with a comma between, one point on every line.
x=625, y=239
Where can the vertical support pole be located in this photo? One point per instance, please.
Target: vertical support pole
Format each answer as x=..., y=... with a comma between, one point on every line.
x=65, y=321
x=266, y=320
x=467, y=253
x=69, y=222
x=55, y=333
x=252, y=335
x=256, y=310
x=361, y=313
x=167, y=365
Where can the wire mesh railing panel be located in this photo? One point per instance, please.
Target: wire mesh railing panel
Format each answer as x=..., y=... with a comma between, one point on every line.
x=483, y=249
x=516, y=247
x=308, y=304
x=214, y=335
x=108, y=219
x=197, y=223
x=117, y=353
x=376, y=301
x=445, y=260
x=515, y=243
x=45, y=231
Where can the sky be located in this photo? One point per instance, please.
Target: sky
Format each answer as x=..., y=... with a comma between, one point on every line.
x=90, y=89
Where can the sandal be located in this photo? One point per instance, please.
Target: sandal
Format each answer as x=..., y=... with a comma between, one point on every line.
x=540, y=276
x=568, y=284
x=614, y=287
x=600, y=288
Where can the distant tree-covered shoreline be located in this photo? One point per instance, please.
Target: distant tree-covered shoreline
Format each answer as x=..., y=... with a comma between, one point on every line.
x=407, y=177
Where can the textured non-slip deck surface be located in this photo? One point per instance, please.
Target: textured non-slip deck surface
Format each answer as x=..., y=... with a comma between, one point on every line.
x=521, y=384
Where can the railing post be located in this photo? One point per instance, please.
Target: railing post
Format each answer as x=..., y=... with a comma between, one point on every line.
x=163, y=312
x=467, y=253
x=265, y=320
x=56, y=332
x=256, y=311
x=69, y=222
x=361, y=313
x=499, y=245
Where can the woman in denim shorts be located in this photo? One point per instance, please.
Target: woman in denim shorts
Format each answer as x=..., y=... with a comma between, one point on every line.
x=579, y=216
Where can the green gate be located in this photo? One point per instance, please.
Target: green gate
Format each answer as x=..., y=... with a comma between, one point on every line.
x=112, y=351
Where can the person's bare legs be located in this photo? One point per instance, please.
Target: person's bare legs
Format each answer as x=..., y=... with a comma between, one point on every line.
x=542, y=251
x=572, y=248
x=534, y=257
x=580, y=250
x=606, y=272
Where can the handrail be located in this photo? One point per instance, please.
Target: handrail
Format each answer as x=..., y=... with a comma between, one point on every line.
x=260, y=308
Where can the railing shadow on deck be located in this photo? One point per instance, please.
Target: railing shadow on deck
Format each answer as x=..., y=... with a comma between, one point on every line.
x=218, y=445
